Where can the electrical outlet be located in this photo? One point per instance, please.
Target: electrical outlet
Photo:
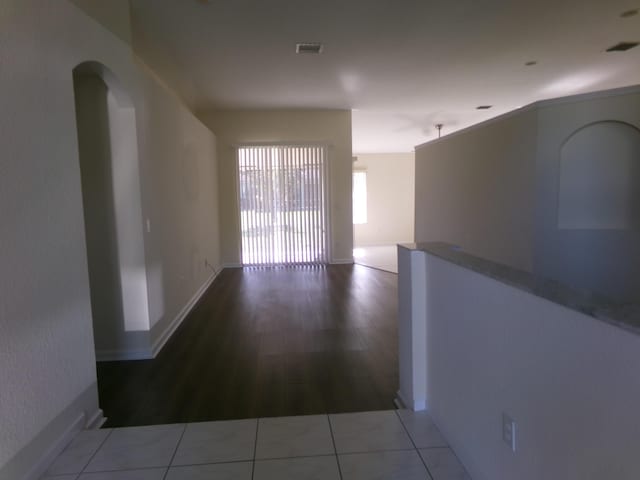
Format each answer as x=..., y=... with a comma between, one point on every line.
x=509, y=431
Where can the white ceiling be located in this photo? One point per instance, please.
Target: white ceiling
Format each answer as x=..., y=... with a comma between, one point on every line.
x=401, y=65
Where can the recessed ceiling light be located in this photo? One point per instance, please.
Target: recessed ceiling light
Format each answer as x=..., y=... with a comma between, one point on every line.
x=531, y=63
x=309, y=48
x=484, y=107
x=622, y=46
x=629, y=13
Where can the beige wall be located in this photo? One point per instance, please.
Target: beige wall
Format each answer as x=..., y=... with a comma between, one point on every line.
x=107, y=144
x=112, y=14
x=493, y=189
x=332, y=127
x=475, y=189
x=568, y=380
x=390, y=199
x=605, y=260
x=47, y=358
x=180, y=197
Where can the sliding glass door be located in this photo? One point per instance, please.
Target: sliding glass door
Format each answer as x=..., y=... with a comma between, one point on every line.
x=282, y=192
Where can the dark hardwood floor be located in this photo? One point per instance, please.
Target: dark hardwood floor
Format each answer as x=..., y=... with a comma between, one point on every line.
x=268, y=342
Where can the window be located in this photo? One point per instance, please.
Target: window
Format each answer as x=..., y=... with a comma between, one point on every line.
x=282, y=193
x=359, y=197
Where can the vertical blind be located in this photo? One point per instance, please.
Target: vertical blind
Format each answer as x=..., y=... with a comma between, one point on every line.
x=282, y=192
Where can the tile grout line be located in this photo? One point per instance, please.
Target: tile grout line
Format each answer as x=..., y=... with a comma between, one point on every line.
x=459, y=461
x=335, y=448
x=255, y=450
x=414, y=444
x=127, y=469
x=364, y=452
x=335, y=454
x=270, y=459
x=96, y=452
x=184, y=430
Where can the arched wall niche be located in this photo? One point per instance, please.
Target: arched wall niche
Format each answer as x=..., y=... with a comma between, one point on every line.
x=599, y=178
x=109, y=168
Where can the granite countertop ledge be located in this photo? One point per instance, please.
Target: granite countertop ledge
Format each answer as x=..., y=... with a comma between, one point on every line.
x=626, y=316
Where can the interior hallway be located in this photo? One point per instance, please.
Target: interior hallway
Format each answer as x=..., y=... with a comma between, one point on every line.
x=267, y=342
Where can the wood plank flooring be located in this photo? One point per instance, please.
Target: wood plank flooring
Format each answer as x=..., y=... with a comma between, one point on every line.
x=268, y=342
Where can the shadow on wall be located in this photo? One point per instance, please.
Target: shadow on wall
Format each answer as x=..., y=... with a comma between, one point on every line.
x=600, y=178
x=599, y=207
x=107, y=143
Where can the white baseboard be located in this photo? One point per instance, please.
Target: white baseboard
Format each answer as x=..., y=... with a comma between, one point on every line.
x=419, y=406
x=401, y=400
x=55, y=449
x=96, y=420
x=175, y=323
x=34, y=459
x=415, y=405
x=122, y=355
x=341, y=261
x=232, y=265
x=148, y=353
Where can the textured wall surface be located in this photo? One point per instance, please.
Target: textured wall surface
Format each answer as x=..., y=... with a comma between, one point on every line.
x=180, y=199
x=568, y=380
x=114, y=15
x=604, y=260
x=475, y=189
x=493, y=189
x=46, y=338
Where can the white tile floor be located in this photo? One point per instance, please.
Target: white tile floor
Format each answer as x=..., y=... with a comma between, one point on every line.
x=350, y=446
x=383, y=258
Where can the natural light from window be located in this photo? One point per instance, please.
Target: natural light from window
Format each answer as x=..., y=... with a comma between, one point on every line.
x=282, y=193
x=359, y=197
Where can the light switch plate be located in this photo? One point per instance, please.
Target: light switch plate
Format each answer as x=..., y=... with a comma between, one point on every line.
x=509, y=431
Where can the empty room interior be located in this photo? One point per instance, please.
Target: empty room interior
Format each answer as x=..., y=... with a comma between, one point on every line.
x=346, y=240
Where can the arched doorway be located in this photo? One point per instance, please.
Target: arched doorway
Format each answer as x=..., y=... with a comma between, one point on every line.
x=107, y=147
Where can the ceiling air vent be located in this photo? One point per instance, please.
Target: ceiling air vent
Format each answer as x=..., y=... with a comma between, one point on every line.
x=629, y=13
x=622, y=47
x=309, y=48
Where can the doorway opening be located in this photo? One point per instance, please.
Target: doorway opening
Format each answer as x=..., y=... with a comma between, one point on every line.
x=107, y=148
x=282, y=198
